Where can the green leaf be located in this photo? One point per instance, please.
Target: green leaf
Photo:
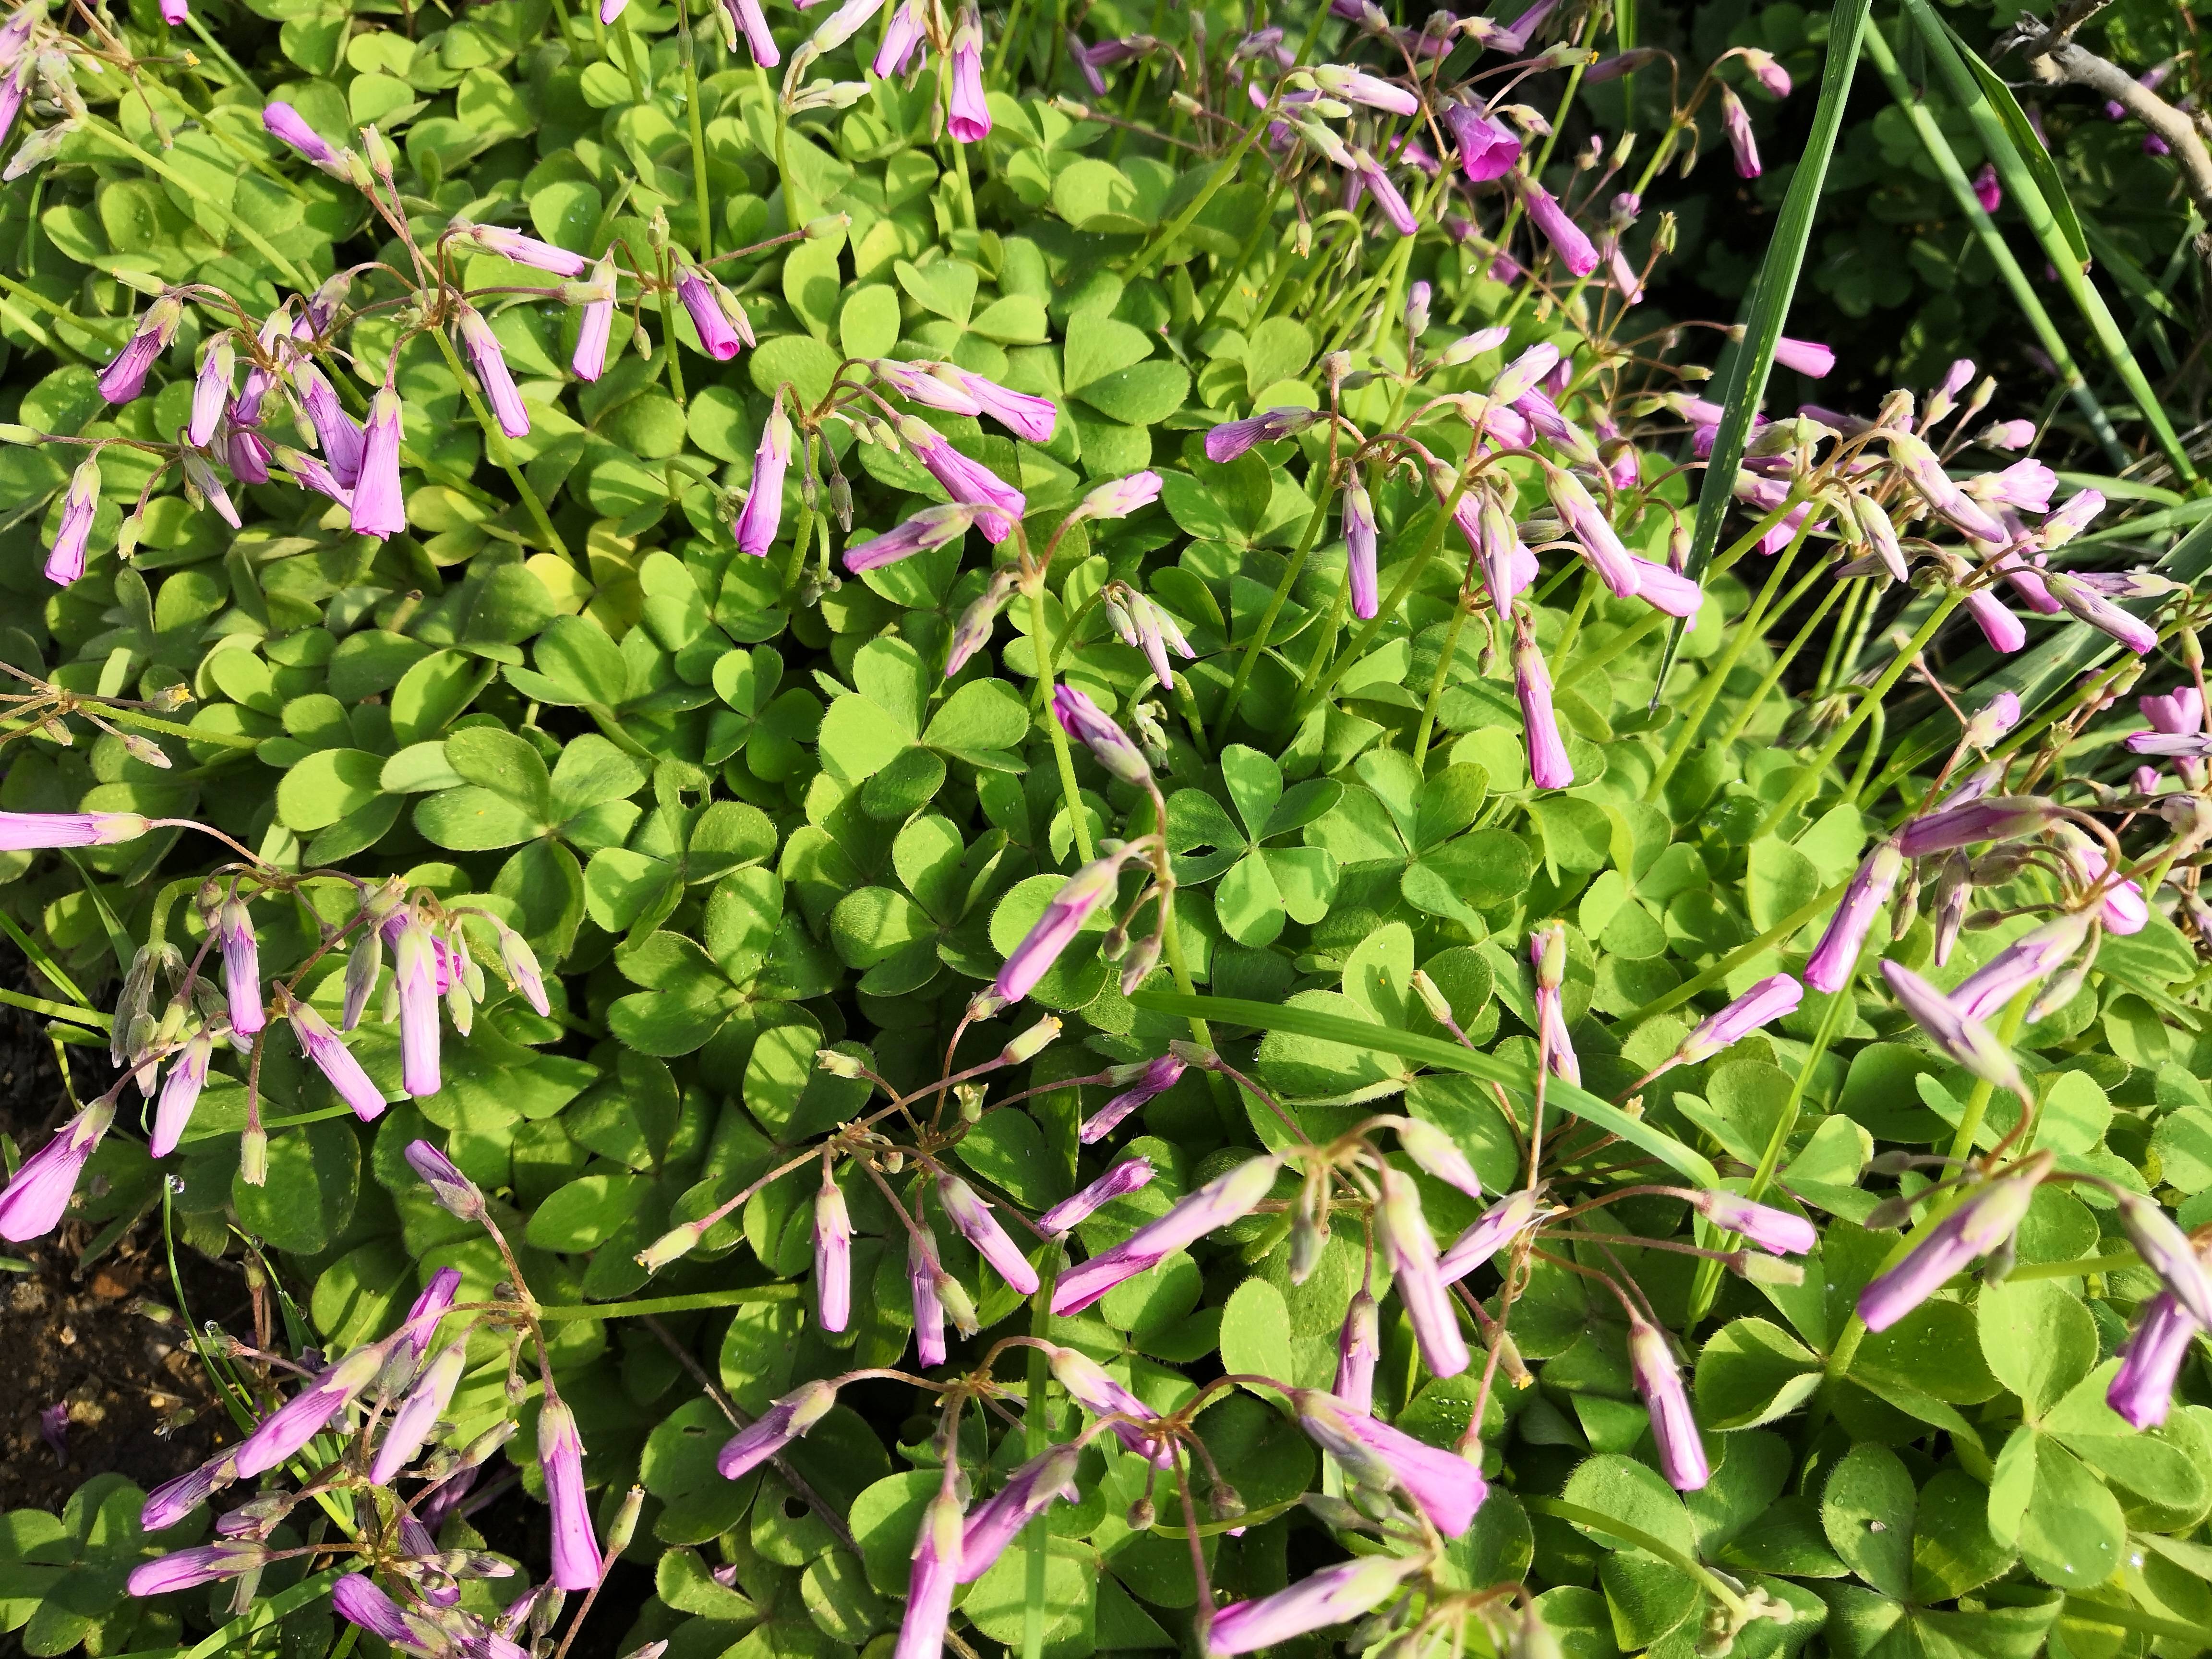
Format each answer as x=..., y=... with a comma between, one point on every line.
x=1867, y=1508
x=1751, y=1371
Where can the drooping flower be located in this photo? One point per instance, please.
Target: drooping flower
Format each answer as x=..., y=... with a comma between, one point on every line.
x=339, y=436
x=931, y=1581
x=1736, y=123
x=2124, y=910
x=1766, y=70
x=34, y=1201
x=1401, y=1233
x=421, y=1324
x=1230, y=439
x=1445, y=1486
x=523, y=249
x=1590, y=527
x=1090, y=725
x=2094, y=608
x=999, y=506
x=125, y=377
x=1053, y=931
x=413, y=971
x=833, y=1257
x=286, y=125
x=380, y=509
x=1490, y=1232
x=996, y=1521
x=1576, y=251
x=923, y=1277
x=1808, y=357
x=304, y=1416
x=1153, y=1078
x=2069, y=517
x=1359, y=1346
x=2142, y=1390
x=762, y=512
x=490, y=363
x=188, y=1569
x=1359, y=544
x=1966, y=1041
x=576, y=1563
x=1987, y=190
x=1377, y=182
x=1487, y=147
x=1548, y=952
x=1833, y=960
x=1119, y=497
x=713, y=312
x=1984, y=1222
x=333, y=1058
x=1090, y=1386
x=455, y=1192
x=2000, y=627
x=595, y=323
x=211, y=390
x=1775, y=1232
x=1658, y=1380
x=1548, y=765
x=1438, y=1153
x=982, y=1228
x=1091, y=59
x=418, y=1414
x=1127, y=1176
x=2168, y=1252
x=2029, y=960
x=784, y=1421
x=30, y=832
x=932, y=526
x=65, y=561
x=358, y=1600
x=1765, y=1003
x=1224, y=1199
x=1333, y=1595
x=901, y=37
x=180, y=1093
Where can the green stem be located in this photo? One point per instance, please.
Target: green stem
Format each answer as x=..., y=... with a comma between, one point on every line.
x=1159, y=246
x=1597, y=1521
x=695, y=1303
x=630, y=57
x=1229, y=278
x=1265, y=627
x=689, y=50
x=1041, y=643
x=1743, y=953
x=1438, y=681
x=1745, y=714
x=495, y=445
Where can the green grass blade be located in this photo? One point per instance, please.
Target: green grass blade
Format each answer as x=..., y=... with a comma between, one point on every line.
x=1745, y=383
x=2021, y=183
x=2033, y=155
x=1992, y=240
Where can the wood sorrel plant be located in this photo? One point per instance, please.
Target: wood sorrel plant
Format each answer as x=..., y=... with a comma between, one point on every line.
x=1337, y=1029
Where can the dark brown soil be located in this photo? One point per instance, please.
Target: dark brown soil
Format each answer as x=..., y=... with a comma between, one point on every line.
x=138, y=1401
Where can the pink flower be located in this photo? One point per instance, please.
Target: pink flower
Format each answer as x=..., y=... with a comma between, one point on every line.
x=1808, y=357
x=900, y=39
x=996, y=1521
x=27, y=832
x=414, y=972
x=1987, y=190
x=180, y=1094
x=286, y=125
x=1574, y=250
x=762, y=514
x=1548, y=765
x=1833, y=960
x=933, y=527
x=1359, y=1346
x=379, y=508
x=418, y=1412
x=982, y=1228
x=1735, y=122
x=783, y=1423
x=32, y=1203
x=1658, y=1379
x=1224, y=1199
x=1154, y=1076
x=595, y=324
x=576, y=1563
x=969, y=117
x=65, y=561
x=931, y=1582
x=1445, y=1486
x=521, y=249
x=833, y=1257
x=490, y=365
x=1765, y=1003
x=304, y=1416
x=1985, y=1221
x=1487, y=147
x=1335, y=1596
x=1402, y=1233
x=999, y=506
x=333, y=1058
x=1127, y=1176
x=713, y=313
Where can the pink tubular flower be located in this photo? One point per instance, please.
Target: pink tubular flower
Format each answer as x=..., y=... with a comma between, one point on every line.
x=762, y=512
x=455, y=1192
x=1402, y=1233
x=900, y=39
x=1089, y=725
x=1335, y=1596
x=301, y=1418
x=1998, y=817
x=211, y=390
x=172, y=1500
x=1224, y=1199
x=1379, y=183
x=1438, y=1154
x=1588, y=526
x=1836, y=957
x=1491, y=1232
x=1154, y=1076
x=490, y=365
x=1984, y=1220
x=336, y=432
x=1992, y=720
x=2007, y=434
x=1576, y=251
x=180, y=1094
x=2142, y=1389
x=332, y=1058
x=1032, y=419
x=833, y=1257
x=973, y=1217
x=704, y=299
x=746, y=18
x=2168, y=1252
x=560, y=1454
x=1127, y=1176
x=183, y=1570
x=1966, y=1042
x=967, y=118
x=358, y=1600
x=1090, y=1386
x=65, y=561
x=414, y=972
x=2029, y=960
x=923, y=1275
x=999, y=506
x=1775, y=1232
x=521, y=249
x=1230, y=439
x=1766, y=70
x=1487, y=147
x=380, y=509
x=1667, y=590
x=2004, y=631
x=1359, y=1346
x=2025, y=485
x=1548, y=952
x=32, y=1203
x=933, y=527
x=29, y=832
x=1053, y=931
x=2069, y=517
x=595, y=323
x=2177, y=712
x=287, y=125
x=125, y=377
x=1104, y=56
x=1658, y=1379
x=1359, y=546
x=1765, y=1003
x=2124, y=909
x=932, y=1578
x=1735, y=122
x=784, y=1421
x=1987, y=190
x=996, y=1521
x=1548, y=765
x=418, y=1414
x=1445, y=1486
x=1808, y=357
x=2100, y=612
x=421, y=1325
x=1119, y=497
x=1358, y=86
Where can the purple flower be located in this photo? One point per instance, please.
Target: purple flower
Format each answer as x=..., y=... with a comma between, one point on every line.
x=923, y=1275
x=1985, y=1221
x=1607, y=556
x=595, y=324
x=180, y=1094
x=1925, y=473
x=246, y=453
x=1765, y=70
x=1358, y=86
x=418, y=1412
x=521, y=249
x=996, y=1521
x=1090, y=725
x=184, y=1569
x=27, y=832
x=1438, y=1154
x=1658, y=1379
x=1335, y=1596
x=2168, y=1252
x=1515, y=39
x=1491, y=1232
x=1547, y=951
x=1224, y=1199
x=1154, y=1076
x=833, y=1257
x=2000, y=818
x=357, y=1599
x=301, y=1418
x=1372, y=176
x=703, y=297
x=1765, y=1003
x=900, y=39
x=2008, y=434
x=1127, y=1176
x=380, y=509
x=1666, y=589
x=1028, y=417
x=1966, y=1041
x=2003, y=630
x=1487, y=147
x=340, y=439
x=2029, y=960
x=125, y=377
x=490, y=365
x=2180, y=711
x=1775, y=1232
x=1836, y=957
x=784, y=1421
x=455, y=1192
x=54, y=1429
x=65, y=562
x=2142, y=1389
x=1445, y=1486
x=1808, y=357
x=31, y=1203
x=1359, y=1346
x=931, y=1582
x=2124, y=908
x=1548, y=765
x=174, y=12
x=2100, y=612
x=211, y=390
x=1574, y=250
x=1053, y=931
x=1735, y=122
x=1090, y=1388
x=762, y=512
x=283, y=123
x=1402, y=1233
x=1987, y=190
x=1104, y=56
x=973, y=1217
x=968, y=117
x=932, y=526
x=414, y=972
x=1120, y=497
x=171, y=1501
x=421, y=1325
x=2070, y=518
x=561, y=1454
x=1230, y=439
x=333, y=1059
x=1992, y=720
x=999, y=506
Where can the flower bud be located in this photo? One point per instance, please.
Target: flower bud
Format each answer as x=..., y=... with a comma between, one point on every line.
x=1032, y=1042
